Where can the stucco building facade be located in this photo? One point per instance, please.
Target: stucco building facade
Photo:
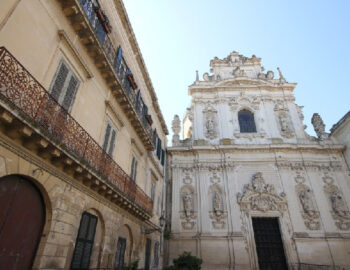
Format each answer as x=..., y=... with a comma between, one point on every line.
x=82, y=139
x=248, y=187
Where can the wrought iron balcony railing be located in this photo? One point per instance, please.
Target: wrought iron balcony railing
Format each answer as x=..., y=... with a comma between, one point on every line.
x=27, y=96
x=119, y=65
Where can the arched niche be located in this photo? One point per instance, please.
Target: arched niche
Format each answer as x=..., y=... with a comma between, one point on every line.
x=96, y=253
x=217, y=198
x=188, y=201
x=124, y=246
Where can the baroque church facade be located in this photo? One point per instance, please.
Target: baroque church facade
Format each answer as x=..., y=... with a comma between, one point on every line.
x=248, y=187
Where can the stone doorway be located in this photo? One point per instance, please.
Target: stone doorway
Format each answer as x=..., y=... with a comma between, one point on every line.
x=269, y=245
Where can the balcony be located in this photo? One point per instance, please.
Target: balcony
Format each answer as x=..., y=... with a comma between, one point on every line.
x=28, y=112
x=92, y=27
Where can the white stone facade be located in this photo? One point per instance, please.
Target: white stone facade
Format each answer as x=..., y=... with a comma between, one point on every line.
x=221, y=176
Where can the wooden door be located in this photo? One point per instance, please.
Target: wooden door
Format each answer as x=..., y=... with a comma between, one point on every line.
x=22, y=218
x=269, y=245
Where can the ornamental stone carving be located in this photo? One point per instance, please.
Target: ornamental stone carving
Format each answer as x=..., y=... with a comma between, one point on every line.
x=309, y=212
x=260, y=196
x=187, y=207
x=285, y=125
x=339, y=210
x=176, y=127
x=218, y=214
x=210, y=123
x=281, y=78
x=319, y=126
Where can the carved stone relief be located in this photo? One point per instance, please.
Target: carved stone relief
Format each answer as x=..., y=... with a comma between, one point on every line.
x=309, y=212
x=217, y=212
x=286, y=127
x=187, y=207
x=261, y=196
x=210, y=123
x=339, y=209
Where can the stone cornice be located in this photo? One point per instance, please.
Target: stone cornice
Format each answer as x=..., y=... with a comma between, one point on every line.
x=239, y=85
x=257, y=148
x=137, y=53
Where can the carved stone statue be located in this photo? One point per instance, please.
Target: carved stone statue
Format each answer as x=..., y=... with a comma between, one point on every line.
x=187, y=201
x=338, y=204
x=217, y=204
x=270, y=75
x=281, y=78
x=319, y=126
x=176, y=127
x=306, y=202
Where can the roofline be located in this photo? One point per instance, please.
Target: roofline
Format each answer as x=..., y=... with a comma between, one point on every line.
x=135, y=47
x=340, y=122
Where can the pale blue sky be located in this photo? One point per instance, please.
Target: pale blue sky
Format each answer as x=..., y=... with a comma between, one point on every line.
x=309, y=40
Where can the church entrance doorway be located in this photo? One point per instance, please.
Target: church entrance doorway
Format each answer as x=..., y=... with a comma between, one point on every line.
x=22, y=218
x=269, y=245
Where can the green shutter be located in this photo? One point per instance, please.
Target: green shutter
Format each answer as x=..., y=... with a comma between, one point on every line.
x=84, y=242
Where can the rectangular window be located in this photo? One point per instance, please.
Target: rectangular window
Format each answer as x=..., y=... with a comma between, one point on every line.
x=153, y=190
x=64, y=86
x=163, y=157
x=109, y=140
x=159, y=148
x=133, y=168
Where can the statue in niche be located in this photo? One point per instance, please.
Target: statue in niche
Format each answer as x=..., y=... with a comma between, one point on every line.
x=306, y=202
x=210, y=131
x=319, y=126
x=187, y=201
x=338, y=204
x=217, y=204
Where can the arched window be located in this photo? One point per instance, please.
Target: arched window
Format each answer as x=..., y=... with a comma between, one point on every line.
x=246, y=121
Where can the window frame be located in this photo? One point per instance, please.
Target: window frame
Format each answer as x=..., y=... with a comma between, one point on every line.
x=109, y=147
x=133, y=171
x=65, y=86
x=246, y=128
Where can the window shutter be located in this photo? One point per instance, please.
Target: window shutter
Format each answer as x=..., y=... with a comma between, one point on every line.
x=112, y=143
x=84, y=242
x=132, y=168
x=118, y=59
x=105, y=142
x=135, y=170
x=163, y=157
x=61, y=77
x=159, y=148
x=70, y=93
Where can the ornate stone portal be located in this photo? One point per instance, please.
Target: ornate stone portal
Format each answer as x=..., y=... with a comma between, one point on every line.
x=261, y=196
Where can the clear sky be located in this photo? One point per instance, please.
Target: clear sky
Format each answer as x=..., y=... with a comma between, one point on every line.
x=308, y=39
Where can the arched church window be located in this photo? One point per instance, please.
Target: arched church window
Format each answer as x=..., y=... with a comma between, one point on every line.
x=246, y=121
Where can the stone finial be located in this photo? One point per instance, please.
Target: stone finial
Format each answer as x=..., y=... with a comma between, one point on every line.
x=197, y=76
x=319, y=126
x=281, y=78
x=176, y=127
